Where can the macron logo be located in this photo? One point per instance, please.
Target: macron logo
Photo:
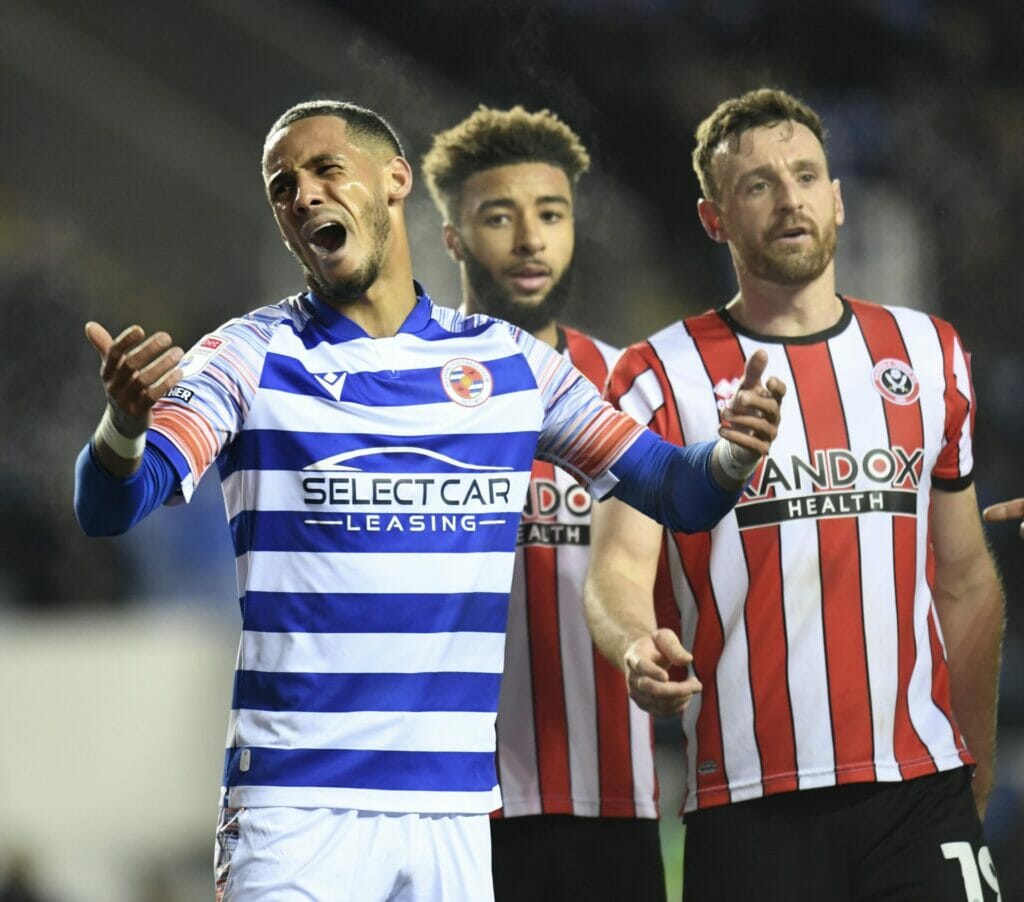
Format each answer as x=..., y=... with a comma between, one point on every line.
x=332, y=382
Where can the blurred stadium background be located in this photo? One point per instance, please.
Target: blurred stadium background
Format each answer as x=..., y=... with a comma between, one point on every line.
x=130, y=178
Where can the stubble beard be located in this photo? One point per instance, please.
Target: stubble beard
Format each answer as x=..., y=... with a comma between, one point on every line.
x=494, y=300
x=772, y=264
x=348, y=288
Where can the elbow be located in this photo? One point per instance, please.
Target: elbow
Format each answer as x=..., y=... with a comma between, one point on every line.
x=690, y=524
x=97, y=527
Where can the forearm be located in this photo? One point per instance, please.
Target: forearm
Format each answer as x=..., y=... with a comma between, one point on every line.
x=108, y=504
x=674, y=486
x=619, y=611
x=970, y=608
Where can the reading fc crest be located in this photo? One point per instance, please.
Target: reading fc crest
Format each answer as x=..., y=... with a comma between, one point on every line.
x=467, y=382
x=895, y=381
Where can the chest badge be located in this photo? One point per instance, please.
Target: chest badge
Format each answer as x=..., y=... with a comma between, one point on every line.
x=466, y=382
x=895, y=381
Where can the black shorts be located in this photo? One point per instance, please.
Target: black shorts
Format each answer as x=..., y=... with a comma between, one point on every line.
x=559, y=857
x=916, y=841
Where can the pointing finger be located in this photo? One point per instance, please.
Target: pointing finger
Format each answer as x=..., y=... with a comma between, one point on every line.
x=754, y=368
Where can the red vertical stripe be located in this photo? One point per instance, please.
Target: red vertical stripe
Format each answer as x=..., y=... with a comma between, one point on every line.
x=614, y=738
x=695, y=553
x=884, y=340
x=764, y=614
x=550, y=725
x=614, y=746
x=586, y=357
x=948, y=465
x=767, y=646
x=839, y=554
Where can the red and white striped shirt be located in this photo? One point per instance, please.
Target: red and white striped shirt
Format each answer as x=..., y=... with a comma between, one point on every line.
x=570, y=740
x=808, y=608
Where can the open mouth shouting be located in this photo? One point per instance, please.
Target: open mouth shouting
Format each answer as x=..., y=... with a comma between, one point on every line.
x=325, y=237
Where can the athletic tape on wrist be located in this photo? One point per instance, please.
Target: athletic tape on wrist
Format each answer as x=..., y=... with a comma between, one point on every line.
x=733, y=467
x=120, y=444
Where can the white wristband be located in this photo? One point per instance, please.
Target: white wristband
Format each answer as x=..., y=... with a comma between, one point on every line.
x=121, y=445
x=731, y=465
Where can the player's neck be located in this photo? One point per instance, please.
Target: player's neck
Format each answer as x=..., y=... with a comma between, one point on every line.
x=386, y=304
x=548, y=334
x=785, y=310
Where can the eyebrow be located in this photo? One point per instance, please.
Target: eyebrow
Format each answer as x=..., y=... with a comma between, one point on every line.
x=768, y=169
x=308, y=164
x=508, y=202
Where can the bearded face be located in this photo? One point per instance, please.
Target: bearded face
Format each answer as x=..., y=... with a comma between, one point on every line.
x=771, y=258
x=352, y=285
x=494, y=299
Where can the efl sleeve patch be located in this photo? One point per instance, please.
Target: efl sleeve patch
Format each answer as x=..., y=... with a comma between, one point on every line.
x=202, y=353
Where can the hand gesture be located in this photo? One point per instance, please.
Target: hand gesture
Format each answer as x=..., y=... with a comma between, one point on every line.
x=751, y=421
x=1007, y=510
x=136, y=372
x=647, y=661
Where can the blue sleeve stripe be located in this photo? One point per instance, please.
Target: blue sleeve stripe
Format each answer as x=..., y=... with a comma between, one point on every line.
x=326, y=692
x=363, y=769
x=330, y=530
x=476, y=612
x=672, y=485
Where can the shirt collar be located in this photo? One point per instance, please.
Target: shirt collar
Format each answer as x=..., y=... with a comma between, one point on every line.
x=340, y=325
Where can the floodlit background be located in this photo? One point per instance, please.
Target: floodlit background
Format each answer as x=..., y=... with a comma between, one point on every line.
x=129, y=171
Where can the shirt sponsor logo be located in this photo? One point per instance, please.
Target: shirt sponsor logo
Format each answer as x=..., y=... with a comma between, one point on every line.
x=547, y=507
x=359, y=500
x=840, y=485
x=895, y=381
x=466, y=382
x=196, y=359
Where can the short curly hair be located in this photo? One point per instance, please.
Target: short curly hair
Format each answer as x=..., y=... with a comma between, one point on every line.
x=490, y=138
x=733, y=117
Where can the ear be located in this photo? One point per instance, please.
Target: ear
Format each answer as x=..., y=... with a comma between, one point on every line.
x=840, y=211
x=397, y=179
x=711, y=219
x=452, y=242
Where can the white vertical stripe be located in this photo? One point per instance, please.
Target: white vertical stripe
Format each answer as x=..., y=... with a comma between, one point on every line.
x=578, y=674
x=688, y=617
x=865, y=415
x=643, y=398
x=925, y=352
x=643, y=761
x=799, y=549
x=963, y=386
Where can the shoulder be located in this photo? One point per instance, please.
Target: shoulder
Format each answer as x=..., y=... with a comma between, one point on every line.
x=241, y=343
x=263, y=322
x=909, y=320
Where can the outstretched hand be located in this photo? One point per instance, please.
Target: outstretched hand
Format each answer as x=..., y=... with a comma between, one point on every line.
x=751, y=421
x=647, y=662
x=136, y=372
x=1006, y=510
